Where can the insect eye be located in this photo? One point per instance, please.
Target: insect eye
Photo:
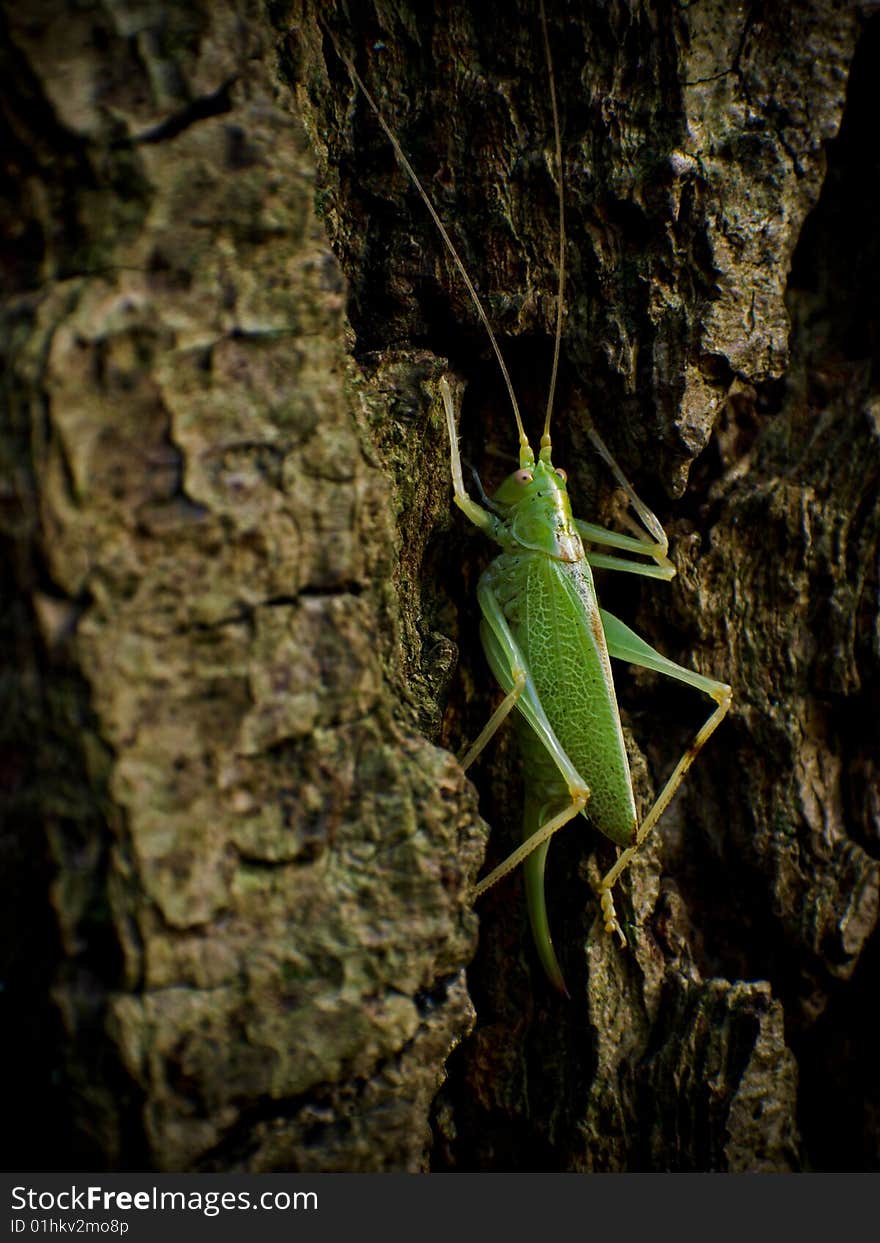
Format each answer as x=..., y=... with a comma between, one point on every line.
x=524, y=476
x=563, y=475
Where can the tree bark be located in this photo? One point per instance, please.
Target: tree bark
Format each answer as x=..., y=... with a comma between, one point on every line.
x=241, y=634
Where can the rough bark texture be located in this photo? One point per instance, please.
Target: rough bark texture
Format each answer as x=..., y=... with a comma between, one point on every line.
x=238, y=616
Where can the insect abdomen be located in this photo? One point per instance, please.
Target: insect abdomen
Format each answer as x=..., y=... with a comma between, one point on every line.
x=551, y=608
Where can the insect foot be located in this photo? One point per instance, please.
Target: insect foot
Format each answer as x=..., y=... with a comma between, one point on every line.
x=606, y=898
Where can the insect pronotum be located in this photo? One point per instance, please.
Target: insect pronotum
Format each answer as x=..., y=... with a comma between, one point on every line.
x=547, y=641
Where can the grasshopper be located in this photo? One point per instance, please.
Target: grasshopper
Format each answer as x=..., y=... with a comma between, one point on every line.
x=547, y=641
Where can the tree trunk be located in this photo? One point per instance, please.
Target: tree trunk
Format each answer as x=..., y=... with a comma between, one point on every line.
x=241, y=632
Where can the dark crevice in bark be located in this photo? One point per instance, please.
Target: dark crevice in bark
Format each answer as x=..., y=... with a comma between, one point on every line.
x=833, y=291
x=215, y=104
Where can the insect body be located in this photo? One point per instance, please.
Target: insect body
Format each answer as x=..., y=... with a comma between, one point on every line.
x=548, y=644
x=543, y=636
x=546, y=639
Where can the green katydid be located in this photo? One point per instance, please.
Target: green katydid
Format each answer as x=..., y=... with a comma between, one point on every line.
x=547, y=641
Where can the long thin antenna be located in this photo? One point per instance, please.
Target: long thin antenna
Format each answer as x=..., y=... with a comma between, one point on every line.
x=526, y=455
x=560, y=296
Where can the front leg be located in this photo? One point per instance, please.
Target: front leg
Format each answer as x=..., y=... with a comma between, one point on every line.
x=479, y=516
x=660, y=567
